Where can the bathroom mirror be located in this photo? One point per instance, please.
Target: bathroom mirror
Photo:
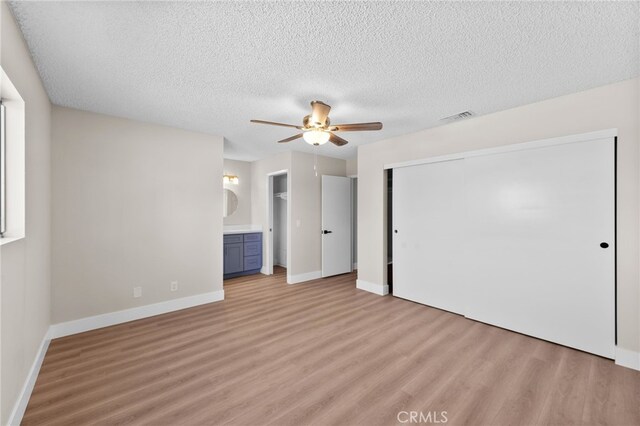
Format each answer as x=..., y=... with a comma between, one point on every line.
x=229, y=202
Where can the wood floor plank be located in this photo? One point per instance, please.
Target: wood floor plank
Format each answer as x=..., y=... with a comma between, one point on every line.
x=502, y=367
x=323, y=353
x=565, y=402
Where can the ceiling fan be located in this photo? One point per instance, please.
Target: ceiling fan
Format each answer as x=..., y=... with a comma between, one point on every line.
x=317, y=129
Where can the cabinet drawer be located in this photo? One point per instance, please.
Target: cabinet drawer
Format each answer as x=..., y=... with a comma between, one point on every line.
x=253, y=248
x=252, y=237
x=233, y=238
x=252, y=262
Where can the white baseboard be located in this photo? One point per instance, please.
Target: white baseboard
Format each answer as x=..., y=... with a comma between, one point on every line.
x=113, y=318
x=92, y=323
x=300, y=278
x=378, y=289
x=624, y=357
x=15, y=418
x=627, y=358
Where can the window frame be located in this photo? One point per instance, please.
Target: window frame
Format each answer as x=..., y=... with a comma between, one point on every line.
x=3, y=171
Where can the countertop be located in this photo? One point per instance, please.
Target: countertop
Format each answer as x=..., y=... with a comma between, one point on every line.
x=241, y=229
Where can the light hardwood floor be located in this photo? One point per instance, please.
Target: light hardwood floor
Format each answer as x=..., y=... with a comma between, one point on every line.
x=322, y=353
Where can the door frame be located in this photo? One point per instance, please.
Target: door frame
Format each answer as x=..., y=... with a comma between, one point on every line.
x=323, y=224
x=539, y=143
x=269, y=240
x=354, y=222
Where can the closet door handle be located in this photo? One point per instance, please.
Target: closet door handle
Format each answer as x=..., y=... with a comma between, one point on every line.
x=327, y=232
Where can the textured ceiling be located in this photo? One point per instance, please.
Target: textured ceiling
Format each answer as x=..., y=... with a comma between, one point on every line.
x=212, y=66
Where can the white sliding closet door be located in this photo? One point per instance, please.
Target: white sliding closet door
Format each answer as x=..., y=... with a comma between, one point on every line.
x=536, y=219
x=523, y=239
x=428, y=214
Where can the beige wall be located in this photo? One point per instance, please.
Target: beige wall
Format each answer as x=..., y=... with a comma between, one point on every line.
x=242, y=189
x=304, y=201
x=612, y=106
x=352, y=166
x=134, y=204
x=25, y=264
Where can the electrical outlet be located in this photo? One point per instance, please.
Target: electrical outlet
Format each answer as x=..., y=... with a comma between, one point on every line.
x=137, y=292
x=174, y=285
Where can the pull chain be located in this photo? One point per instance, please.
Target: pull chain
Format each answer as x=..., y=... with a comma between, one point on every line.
x=315, y=159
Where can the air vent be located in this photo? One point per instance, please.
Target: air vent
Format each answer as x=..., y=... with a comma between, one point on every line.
x=459, y=116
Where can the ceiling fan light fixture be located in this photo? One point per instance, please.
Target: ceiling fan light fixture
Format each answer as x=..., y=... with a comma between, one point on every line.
x=316, y=137
x=317, y=130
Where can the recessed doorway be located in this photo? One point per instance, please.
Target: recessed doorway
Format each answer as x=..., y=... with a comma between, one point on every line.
x=278, y=237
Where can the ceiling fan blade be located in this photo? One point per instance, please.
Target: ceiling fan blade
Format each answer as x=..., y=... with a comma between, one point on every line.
x=319, y=113
x=292, y=138
x=337, y=140
x=273, y=123
x=356, y=127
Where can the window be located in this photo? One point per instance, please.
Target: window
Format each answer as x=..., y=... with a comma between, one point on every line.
x=3, y=172
x=12, y=162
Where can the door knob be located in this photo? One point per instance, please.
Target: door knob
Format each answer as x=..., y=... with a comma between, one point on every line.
x=604, y=244
x=326, y=232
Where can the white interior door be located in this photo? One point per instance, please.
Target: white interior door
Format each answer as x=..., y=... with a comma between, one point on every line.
x=535, y=222
x=336, y=225
x=428, y=216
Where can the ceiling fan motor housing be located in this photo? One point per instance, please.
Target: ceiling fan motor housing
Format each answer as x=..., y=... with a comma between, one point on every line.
x=308, y=123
